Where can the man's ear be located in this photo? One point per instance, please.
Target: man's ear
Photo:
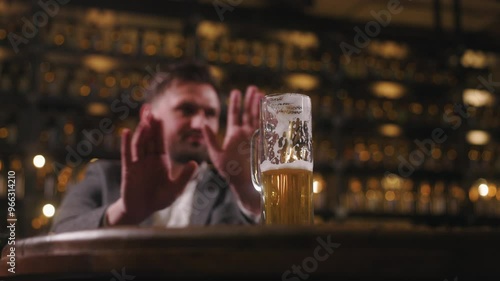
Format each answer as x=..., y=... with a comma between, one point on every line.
x=145, y=111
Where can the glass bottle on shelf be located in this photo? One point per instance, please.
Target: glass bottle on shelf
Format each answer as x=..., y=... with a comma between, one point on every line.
x=374, y=196
x=423, y=201
x=376, y=155
x=473, y=156
x=355, y=199
x=486, y=163
x=116, y=39
x=54, y=34
x=240, y=51
x=289, y=58
x=361, y=154
x=305, y=59
x=408, y=197
x=12, y=130
x=272, y=55
x=438, y=203
x=392, y=185
x=207, y=49
x=111, y=83
x=129, y=41
x=151, y=42
x=70, y=36
x=451, y=156
x=96, y=38
x=389, y=159
x=257, y=54
x=177, y=45
x=456, y=196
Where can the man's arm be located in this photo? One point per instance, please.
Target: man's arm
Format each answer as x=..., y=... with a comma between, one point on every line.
x=82, y=207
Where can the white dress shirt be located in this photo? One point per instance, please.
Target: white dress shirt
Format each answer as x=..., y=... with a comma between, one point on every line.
x=179, y=213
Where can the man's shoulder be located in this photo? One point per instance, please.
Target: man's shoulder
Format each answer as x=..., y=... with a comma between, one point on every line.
x=108, y=167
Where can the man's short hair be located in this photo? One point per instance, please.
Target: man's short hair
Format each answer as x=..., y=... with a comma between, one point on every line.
x=186, y=71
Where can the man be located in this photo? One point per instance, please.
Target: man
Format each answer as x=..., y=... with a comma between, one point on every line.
x=173, y=171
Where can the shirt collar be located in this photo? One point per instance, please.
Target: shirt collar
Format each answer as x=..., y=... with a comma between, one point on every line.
x=200, y=172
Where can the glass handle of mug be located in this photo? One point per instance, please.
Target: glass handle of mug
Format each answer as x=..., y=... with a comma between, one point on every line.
x=255, y=161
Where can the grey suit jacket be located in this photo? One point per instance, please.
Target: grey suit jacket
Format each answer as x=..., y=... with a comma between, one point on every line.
x=85, y=203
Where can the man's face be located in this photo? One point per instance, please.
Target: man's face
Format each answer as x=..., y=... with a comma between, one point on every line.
x=184, y=109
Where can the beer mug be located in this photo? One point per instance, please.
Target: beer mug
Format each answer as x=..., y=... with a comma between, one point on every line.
x=282, y=161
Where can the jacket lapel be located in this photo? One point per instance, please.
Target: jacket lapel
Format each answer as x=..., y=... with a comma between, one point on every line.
x=205, y=197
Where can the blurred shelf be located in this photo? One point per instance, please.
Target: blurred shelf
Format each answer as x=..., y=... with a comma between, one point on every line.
x=9, y=99
x=60, y=155
x=78, y=55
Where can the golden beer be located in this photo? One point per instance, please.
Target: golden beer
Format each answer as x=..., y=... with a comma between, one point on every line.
x=287, y=195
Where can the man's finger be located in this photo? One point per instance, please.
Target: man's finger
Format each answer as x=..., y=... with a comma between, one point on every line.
x=211, y=139
x=134, y=141
x=233, y=111
x=155, y=136
x=151, y=144
x=255, y=110
x=126, y=153
x=249, y=96
x=157, y=127
x=139, y=141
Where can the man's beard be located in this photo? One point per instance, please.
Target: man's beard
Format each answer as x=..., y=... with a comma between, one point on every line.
x=183, y=153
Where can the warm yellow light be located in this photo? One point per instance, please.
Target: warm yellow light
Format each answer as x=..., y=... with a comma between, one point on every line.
x=303, y=40
x=4, y=133
x=211, y=30
x=97, y=109
x=217, y=73
x=477, y=137
x=101, y=64
x=318, y=183
x=389, y=49
x=48, y=210
x=390, y=195
x=492, y=190
x=391, y=181
x=302, y=81
x=39, y=161
x=483, y=189
x=315, y=186
x=388, y=90
x=477, y=98
x=475, y=59
x=36, y=223
x=390, y=130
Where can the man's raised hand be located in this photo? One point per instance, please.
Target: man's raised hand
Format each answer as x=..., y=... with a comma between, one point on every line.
x=146, y=181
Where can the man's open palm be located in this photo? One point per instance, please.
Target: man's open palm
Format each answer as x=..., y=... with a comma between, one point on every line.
x=146, y=184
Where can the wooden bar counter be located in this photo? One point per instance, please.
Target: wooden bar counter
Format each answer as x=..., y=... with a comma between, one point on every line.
x=320, y=252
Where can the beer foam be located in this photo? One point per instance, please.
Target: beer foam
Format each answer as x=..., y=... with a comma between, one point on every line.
x=298, y=164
